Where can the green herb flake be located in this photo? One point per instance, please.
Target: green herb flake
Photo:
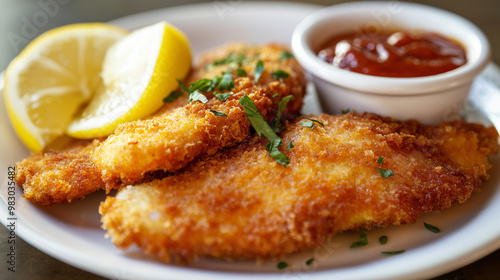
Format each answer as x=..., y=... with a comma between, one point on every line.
x=263, y=128
x=259, y=68
x=390, y=253
x=276, y=123
x=308, y=124
x=282, y=265
x=362, y=239
x=172, y=96
x=276, y=95
x=383, y=239
x=432, y=228
x=241, y=72
x=290, y=146
x=380, y=160
x=197, y=96
x=385, y=173
x=275, y=153
x=203, y=85
x=218, y=113
x=345, y=111
x=231, y=58
x=182, y=86
x=279, y=157
x=258, y=122
x=309, y=261
x=279, y=74
x=222, y=96
x=286, y=55
x=226, y=82
x=273, y=145
x=313, y=120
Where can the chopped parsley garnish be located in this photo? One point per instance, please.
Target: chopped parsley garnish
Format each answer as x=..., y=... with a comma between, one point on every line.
x=275, y=153
x=259, y=68
x=279, y=74
x=263, y=128
x=279, y=157
x=362, y=239
x=222, y=96
x=203, y=85
x=276, y=122
x=290, y=146
x=226, y=82
x=241, y=72
x=282, y=265
x=182, y=86
x=235, y=61
x=197, y=96
x=385, y=173
x=432, y=228
x=256, y=119
x=308, y=124
x=383, y=239
x=313, y=120
x=311, y=123
x=218, y=113
x=380, y=160
x=345, y=111
x=276, y=95
x=393, y=252
x=309, y=261
x=231, y=58
x=172, y=96
x=196, y=89
x=286, y=55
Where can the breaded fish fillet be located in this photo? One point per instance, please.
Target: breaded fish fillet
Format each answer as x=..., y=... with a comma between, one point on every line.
x=242, y=204
x=56, y=177
x=63, y=175
x=178, y=133
x=168, y=142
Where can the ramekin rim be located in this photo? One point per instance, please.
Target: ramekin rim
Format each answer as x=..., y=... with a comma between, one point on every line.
x=386, y=85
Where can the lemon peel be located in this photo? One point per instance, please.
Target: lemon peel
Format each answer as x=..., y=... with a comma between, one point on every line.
x=52, y=77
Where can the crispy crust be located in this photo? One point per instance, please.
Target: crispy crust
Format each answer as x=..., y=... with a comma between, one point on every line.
x=241, y=204
x=168, y=142
x=178, y=133
x=56, y=177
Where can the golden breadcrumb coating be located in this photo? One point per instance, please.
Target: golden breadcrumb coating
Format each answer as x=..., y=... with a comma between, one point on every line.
x=168, y=142
x=56, y=177
x=66, y=174
x=241, y=204
x=176, y=134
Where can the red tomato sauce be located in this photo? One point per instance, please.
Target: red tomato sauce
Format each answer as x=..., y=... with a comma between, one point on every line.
x=394, y=54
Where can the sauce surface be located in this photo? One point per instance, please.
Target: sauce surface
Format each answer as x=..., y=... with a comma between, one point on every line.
x=394, y=54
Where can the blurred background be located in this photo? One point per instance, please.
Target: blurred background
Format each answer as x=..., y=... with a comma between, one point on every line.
x=23, y=20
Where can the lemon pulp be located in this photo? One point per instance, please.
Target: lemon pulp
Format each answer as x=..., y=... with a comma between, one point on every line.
x=138, y=72
x=53, y=76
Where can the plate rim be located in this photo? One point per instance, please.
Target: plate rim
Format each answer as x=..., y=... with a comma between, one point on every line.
x=50, y=247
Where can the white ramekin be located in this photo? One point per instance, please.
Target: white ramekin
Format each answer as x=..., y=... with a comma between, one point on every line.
x=429, y=99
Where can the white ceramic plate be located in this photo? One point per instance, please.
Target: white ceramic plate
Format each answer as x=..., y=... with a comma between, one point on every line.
x=72, y=234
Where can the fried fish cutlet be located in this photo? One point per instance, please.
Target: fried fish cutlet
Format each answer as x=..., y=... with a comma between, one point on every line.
x=64, y=175
x=241, y=204
x=168, y=142
x=56, y=177
x=176, y=134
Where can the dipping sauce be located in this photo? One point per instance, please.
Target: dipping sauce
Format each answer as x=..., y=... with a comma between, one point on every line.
x=394, y=54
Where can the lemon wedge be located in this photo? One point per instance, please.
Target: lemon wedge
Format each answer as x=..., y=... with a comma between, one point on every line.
x=138, y=72
x=53, y=76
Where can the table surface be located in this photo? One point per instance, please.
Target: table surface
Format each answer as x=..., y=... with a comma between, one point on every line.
x=34, y=264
